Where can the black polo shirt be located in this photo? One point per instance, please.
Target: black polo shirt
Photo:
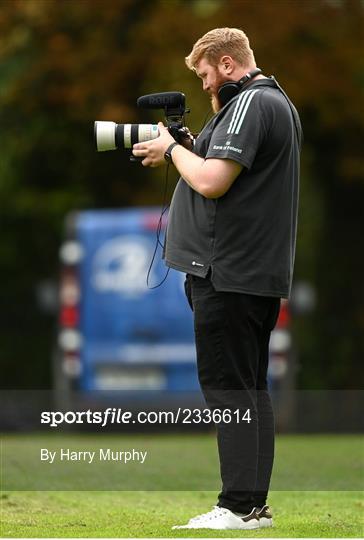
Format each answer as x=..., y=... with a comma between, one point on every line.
x=247, y=237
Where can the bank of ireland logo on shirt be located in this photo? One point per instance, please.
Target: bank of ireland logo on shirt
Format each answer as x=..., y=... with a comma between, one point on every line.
x=241, y=108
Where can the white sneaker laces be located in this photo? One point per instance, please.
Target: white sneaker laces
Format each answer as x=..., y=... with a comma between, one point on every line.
x=213, y=514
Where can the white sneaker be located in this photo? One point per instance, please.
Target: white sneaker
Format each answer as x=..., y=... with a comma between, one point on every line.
x=222, y=518
x=265, y=516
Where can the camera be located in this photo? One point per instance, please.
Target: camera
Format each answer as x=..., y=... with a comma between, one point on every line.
x=109, y=135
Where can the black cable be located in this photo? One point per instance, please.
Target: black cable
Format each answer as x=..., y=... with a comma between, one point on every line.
x=206, y=118
x=159, y=229
x=159, y=226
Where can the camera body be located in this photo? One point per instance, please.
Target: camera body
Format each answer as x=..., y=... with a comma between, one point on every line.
x=109, y=135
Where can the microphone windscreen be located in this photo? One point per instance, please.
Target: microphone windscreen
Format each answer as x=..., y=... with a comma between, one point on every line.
x=161, y=100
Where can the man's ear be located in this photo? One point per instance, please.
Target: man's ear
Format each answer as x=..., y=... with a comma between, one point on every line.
x=227, y=64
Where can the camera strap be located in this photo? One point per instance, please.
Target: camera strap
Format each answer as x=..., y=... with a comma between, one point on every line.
x=296, y=118
x=273, y=83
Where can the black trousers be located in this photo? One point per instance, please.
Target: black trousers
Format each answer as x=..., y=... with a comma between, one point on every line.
x=232, y=332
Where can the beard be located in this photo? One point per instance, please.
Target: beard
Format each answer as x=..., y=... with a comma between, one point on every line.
x=215, y=103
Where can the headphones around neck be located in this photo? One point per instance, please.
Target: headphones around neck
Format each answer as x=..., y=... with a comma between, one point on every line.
x=230, y=89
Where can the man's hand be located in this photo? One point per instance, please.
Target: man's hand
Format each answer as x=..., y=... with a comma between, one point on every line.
x=154, y=150
x=211, y=177
x=186, y=138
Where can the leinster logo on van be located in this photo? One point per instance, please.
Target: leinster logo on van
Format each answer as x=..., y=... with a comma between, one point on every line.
x=121, y=265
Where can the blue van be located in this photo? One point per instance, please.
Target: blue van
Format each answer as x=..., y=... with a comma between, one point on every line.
x=123, y=338
x=118, y=333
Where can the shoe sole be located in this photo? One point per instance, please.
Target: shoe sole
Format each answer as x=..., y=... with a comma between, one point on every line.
x=248, y=527
x=265, y=522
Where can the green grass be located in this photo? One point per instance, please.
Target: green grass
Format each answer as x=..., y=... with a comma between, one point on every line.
x=185, y=462
x=152, y=514
x=316, y=488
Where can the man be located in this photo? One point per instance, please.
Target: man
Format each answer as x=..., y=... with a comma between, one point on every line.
x=232, y=229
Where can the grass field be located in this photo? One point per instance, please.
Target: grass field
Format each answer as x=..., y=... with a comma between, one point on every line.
x=298, y=512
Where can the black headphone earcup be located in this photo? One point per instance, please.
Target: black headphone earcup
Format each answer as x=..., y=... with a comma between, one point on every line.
x=227, y=91
x=230, y=89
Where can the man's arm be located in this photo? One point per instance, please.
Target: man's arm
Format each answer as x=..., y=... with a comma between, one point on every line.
x=210, y=177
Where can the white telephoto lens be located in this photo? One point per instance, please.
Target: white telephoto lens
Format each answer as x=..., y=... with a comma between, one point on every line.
x=147, y=132
x=105, y=136
x=127, y=136
x=134, y=133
